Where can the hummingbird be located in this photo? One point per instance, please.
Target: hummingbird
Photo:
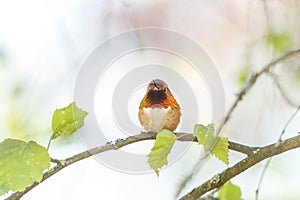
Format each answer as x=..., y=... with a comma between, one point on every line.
x=158, y=109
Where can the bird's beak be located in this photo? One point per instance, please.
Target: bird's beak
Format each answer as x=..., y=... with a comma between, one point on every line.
x=155, y=86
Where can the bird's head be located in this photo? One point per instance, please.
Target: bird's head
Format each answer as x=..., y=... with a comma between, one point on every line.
x=158, y=95
x=157, y=91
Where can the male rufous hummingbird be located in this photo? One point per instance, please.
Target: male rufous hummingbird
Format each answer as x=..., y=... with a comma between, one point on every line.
x=158, y=109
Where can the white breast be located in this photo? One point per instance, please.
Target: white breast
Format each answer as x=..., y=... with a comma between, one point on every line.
x=158, y=117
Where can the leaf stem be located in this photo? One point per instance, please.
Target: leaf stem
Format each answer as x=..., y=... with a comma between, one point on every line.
x=49, y=143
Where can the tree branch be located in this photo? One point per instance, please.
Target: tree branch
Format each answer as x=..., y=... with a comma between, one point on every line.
x=261, y=154
x=115, y=145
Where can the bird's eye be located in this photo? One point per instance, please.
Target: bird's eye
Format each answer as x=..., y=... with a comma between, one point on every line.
x=165, y=89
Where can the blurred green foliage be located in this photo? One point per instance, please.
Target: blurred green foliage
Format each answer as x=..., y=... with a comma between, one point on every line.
x=280, y=41
x=21, y=118
x=243, y=74
x=297, y=77
x=2, y=59
x=2, y=56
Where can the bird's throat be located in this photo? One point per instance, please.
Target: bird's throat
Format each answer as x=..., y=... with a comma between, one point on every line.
x=156, y=96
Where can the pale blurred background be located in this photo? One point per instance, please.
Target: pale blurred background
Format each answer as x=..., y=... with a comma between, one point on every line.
x=43, y=44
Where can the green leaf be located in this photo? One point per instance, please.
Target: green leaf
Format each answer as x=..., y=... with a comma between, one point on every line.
x=229, y=191
x=205, y=135
x=221, y=150
x=66, y=121
x=21, y=164
x=280, y=41
x=164, y=142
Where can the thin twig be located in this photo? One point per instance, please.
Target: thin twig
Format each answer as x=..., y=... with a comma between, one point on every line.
x=242, y=148
x=262, y=177
x=57, y=161
x=132, y=20
x=282, y=92
x=288, y=123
